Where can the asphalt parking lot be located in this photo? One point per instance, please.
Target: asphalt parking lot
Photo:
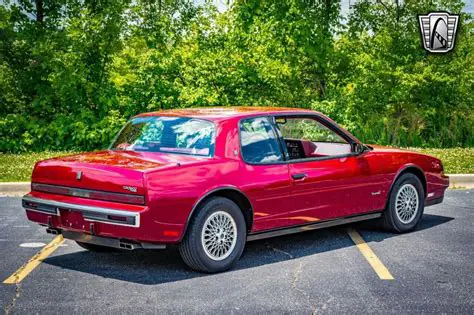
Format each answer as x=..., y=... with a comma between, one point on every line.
x=313, y=272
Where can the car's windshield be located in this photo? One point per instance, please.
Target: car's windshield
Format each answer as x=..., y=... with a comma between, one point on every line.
x=179, y=135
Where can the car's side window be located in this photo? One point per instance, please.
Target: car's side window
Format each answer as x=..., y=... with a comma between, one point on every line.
x=259, y=142
x=306, y=137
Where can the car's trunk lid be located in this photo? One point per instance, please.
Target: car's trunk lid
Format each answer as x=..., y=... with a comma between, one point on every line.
x=112, y=171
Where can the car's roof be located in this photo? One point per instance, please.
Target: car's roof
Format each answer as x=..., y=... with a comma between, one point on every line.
x=226, y=112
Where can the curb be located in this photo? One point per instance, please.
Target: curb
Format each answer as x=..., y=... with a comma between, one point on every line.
x=456, y=181
x=14, y=188
x=461, y=180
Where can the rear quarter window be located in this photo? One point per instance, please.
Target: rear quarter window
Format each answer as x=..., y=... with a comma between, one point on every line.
x=259, y=142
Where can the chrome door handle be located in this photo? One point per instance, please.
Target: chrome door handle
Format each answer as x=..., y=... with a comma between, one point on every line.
x=299, y=176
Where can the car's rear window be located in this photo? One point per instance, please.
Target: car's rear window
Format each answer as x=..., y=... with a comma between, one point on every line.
x=177, y=135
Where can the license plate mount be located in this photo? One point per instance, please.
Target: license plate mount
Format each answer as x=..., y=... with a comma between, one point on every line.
x=73, y=219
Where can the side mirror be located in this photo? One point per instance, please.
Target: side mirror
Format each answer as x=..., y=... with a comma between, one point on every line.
x=359, y=148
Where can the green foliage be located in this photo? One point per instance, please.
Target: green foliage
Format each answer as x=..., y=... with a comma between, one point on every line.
x=18, y=167
x=72, y=71
x=399, y=94
x=455, y=160
x=308, y=129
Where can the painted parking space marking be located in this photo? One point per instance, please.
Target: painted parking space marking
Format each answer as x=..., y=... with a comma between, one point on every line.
x=32, y=245
x=369, y=255
x=34, y=262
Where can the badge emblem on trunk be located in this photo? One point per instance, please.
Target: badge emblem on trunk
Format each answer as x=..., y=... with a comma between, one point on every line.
x=78, y=175
x=130, y=188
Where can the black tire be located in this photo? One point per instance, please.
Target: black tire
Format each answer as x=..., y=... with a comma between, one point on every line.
x=96, y=248
x=192, y=249
x=393, y=222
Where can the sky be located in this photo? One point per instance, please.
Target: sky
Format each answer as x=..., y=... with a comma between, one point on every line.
x=222, y=5
x=469, y=8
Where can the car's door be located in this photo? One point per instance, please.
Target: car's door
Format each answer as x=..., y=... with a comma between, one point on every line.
x=329, y=179
x=264, y=173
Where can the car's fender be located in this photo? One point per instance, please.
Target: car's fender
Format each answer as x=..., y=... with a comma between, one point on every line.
x=206, y=195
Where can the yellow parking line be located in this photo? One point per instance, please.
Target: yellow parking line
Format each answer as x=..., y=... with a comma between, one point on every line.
x=31, y=264
x=370, y=256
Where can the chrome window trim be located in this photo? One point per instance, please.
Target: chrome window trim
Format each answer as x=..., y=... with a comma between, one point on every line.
x=91, y=210
x=332, y=126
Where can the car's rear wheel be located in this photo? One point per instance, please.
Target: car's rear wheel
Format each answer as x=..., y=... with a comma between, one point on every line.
x=406, y=204
x=96, y=248
x=216, y=236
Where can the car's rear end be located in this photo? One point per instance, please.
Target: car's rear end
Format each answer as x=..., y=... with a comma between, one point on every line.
x=101, y=197
x=97, y=198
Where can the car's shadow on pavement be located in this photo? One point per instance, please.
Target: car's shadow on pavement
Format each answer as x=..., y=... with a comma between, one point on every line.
x=152, y=267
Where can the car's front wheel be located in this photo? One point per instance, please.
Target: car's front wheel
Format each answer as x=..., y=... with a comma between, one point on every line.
x=406, y=204
x=216, y=236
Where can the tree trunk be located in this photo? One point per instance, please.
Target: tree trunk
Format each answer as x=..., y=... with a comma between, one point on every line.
x=39, y=11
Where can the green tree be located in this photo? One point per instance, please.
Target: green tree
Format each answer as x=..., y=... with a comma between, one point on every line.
x=73, y=71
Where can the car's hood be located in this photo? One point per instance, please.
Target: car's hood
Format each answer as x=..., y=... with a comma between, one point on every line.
x=391, y=150
x=380, y=148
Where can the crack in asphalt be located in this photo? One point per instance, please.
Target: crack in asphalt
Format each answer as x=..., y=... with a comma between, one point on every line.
x=296, y=275
x=12, y=304
x=280, y=251
x=324, y=305
x=315, y=308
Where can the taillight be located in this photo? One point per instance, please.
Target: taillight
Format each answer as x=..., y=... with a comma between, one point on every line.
x=91, y=194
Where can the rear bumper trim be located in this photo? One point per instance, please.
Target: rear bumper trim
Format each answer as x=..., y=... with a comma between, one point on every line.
x=90, y=213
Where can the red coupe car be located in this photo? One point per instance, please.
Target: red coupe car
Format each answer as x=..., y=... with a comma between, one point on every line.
x=211, y=179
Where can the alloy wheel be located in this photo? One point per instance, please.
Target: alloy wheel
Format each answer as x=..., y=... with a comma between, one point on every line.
x=219, y=235
x=406, y=203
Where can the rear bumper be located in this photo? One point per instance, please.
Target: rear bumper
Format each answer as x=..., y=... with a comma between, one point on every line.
x=90, y=213
x=137, y=223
